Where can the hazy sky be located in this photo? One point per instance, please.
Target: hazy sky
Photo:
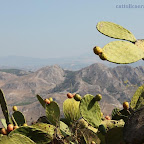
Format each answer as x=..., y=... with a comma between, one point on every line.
x=62, y=28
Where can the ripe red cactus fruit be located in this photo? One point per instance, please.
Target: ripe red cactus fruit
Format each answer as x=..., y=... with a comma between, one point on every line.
x=69, y=95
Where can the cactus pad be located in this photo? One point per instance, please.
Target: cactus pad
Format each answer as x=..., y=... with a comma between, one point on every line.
x=115, y=31
x=37, y=135
x=64, y=129
x=53, y=113
x=71, y=109
x=41, y=100
x=4, y=107
x=47, y=128
x=16, y=139
x=122, y=52
x=140, y=43
x=3, y=121
x=90, y=110
x=137, y=100
x=19, y=118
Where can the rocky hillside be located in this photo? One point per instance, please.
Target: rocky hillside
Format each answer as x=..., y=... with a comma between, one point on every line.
x=115, y=84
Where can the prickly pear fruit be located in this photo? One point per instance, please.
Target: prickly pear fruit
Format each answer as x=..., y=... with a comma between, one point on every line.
x=101, y=114
x=14, y=108
x=102, y=56
x=50, y=99
x=47, y=101
x=98, y=97
x=93, y=142
x=107, y=117
x=25, y=124
x=15, y=127
x=3, y=131
x=69, y=95
x=102, y=129
x=77, y=97
x=10, y=128
x=126, y=105
x=97, y=50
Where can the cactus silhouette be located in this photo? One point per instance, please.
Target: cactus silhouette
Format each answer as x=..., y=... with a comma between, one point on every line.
x=121, y=52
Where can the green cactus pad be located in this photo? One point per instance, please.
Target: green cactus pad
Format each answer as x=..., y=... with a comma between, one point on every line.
x=118, y=114
x=41, y=100
x=37, y=135
x=71, y=109
x=64, y=129
x=115, y=31
x=122, y=52
x=19, y=118
x=90, y=110
x=137, y=100
x=110, y=124
x=4, y=107
x=16, y=139
x=3, y=121
x=53, y=113
x=47, y=128
x=140, y=43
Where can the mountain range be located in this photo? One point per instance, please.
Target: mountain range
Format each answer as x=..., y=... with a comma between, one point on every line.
x=115, y=84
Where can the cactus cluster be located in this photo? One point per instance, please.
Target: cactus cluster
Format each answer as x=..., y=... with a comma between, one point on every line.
x=121, y=52
x=83, y=121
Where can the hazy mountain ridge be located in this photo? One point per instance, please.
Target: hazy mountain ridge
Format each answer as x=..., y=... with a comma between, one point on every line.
x=115, y=84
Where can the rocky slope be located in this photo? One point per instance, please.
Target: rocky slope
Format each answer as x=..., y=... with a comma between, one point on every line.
x=115, y=84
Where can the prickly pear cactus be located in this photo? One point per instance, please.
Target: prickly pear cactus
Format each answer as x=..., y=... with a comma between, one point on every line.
x=115, y=31
x=71, y=109
x=110, y=124
x=137, y=100
x=4, y=107
x=90, y=110
x=19, y=118
x=118, y=114
x=53, y=113
x=41, y=100
x=47, y=128
x=16, y=139
x=140, y=43
x=35, y=134
x=65, y=129
x=122, y=52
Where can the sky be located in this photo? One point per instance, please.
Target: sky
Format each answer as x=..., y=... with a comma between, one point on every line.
x=62, y=28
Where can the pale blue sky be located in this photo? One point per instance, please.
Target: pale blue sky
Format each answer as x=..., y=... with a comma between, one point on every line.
x=62, y=28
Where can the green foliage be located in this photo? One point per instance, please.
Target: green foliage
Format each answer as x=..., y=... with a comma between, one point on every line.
x=19, y=118
x=53, y=113
x=90, y=110
x=115, y=31
x=16, y=139
x=137, y=100
x=71, y=110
